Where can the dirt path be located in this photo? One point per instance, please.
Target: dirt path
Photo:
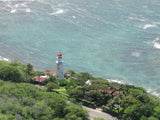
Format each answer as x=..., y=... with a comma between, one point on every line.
x=98, y=113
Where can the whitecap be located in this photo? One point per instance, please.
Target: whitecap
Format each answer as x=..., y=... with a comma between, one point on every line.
x=115, y=81
x=153, y=93
x=137, y=19
x=57, y=12
x=74, y=17
x=136, y=54
x=28, y=10
x=157, y=38
x=13, y=11
x=3, y=58
x=148, y=26
x=21, y=5
x=157, y=45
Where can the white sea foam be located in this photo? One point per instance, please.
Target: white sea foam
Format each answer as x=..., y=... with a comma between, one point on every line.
x=28, y=10
x=153, y=93
x=148, y=91
x=74, y=17
x=17, y=7
x=115, y=81
x=149, y=26
x=156, y=44
x=20, y=5
x=137, y=19
x=57, y=12
x=136, y=53
x=17, y=0
x=3, y=58
x=13, y=11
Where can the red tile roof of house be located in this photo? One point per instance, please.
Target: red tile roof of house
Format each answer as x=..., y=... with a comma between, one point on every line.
x=105, y=91
x=68, y=74
x=53, y=72
x=116, y=93
x=108, y=91
x=45, y=73
x=39, y=78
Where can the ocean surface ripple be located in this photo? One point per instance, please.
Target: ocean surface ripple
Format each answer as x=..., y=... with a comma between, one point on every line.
x=116, y=40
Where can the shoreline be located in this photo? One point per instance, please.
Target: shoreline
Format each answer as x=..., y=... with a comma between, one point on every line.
x=152, y=92
x=4, y=59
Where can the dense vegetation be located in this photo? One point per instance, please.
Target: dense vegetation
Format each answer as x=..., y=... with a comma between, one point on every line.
x=16, y=71
x=130, y=102
x=25, y=101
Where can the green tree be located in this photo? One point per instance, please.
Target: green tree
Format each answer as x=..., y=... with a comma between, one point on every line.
x=73, y=73
x=62, y=82
x=83, y=77
x=156, y=112
x=50, y=86
x=29, y=70
x=132, y=112
x=76, y=93
x=74, y=111
x=50, y=79
x=94, y=95
x=11, y=73
x=152, y=118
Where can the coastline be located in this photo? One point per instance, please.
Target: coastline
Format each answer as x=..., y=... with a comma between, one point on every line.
x=5, y=59
x=152, y=92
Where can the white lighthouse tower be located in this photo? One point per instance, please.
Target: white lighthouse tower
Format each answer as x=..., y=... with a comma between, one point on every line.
x=59, y=70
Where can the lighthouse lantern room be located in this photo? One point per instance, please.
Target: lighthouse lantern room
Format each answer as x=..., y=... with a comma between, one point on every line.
x=59, y=70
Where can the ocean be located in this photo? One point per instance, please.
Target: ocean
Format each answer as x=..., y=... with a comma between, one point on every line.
x=117, y=40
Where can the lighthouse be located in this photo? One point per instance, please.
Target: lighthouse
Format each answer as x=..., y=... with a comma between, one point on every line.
x=59, y=69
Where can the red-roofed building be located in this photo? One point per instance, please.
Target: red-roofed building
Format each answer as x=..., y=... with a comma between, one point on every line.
x=116, y=93
x=52, y=72
x=108, y=91
x=57, y=72
x=40, y=78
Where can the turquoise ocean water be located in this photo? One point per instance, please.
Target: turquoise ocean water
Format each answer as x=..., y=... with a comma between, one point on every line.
x=115, y=39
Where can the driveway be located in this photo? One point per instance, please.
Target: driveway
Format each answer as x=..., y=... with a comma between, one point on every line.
x=98, y=114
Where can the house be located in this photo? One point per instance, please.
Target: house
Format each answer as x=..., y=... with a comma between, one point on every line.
x=114, y=93
x=52, y=72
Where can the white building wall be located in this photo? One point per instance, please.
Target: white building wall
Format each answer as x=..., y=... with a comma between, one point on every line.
x=59, y=68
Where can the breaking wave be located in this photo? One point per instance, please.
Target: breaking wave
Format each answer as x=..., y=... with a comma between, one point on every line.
x=149, y=26
x=136, y=53
x=57, y=12
x=152, y=92
x=16, y=6
x=3, y=58
x=156, y=43
x=116, y=81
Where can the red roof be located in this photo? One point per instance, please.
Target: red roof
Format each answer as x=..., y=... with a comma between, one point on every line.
x=53, y=72
x=45, y=73
x=68, y=74
x=59, y=54
x=116, y=93
x=39, y=78
x=108, y=91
